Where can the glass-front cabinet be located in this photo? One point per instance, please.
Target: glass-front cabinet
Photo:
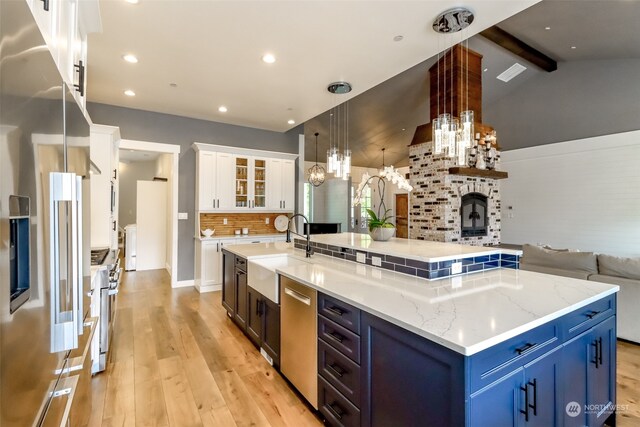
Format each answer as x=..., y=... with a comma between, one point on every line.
x=250, y=185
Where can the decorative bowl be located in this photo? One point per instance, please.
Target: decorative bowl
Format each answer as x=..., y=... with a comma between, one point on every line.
x=208, y=232
x=382, y=234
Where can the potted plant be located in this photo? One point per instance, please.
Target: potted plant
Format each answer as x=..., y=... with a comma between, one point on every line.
x=380, y=229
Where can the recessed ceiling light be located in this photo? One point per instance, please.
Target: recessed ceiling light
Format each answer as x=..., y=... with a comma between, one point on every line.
x=129, y=92
x=291, y=122
x=130, y=58
x=485, y=70
x=173, y=85
x=132, y=1
x=268, y=58
x=222, y=109
x=511, y=72
x=573, y=47
x=398, y=38
x=547, y=28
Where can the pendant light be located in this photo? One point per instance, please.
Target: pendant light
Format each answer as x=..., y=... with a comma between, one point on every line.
x=339, y=163
x=316, y=172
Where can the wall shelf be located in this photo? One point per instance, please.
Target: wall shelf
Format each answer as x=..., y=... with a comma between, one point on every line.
x=481, y=173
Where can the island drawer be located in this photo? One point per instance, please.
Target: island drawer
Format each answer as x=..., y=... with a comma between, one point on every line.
x=495, y=362
x=588, y=316
x=241, y=263
x=342, y=339
x=337, y=410
x=339, y=371
x=340, y=312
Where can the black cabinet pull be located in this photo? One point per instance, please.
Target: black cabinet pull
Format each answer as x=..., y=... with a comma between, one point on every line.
x=534, y=384
x=524, y=348
x=336, y=410
x=335, y=310
x=80, y=86
x=597, y=357
x=336, y=369
x=600, y=351
x=526, y=402
x=335, y=336
x=115, y=174
x=45, y=5
x=113, y=227
x=592, y=314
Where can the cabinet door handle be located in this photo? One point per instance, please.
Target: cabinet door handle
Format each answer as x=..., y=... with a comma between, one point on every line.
x=45, y=5
x=339, y=371
x=526, y=402
x=335, y=310
x=335, y=336
x=596, y=353
x=534, y=384
x=115, y=174
x=284, y=204
x=600, y=350
x=80, y=86
x=524, y=348
x=592, y=314
x=113, y=227
x=336, y=410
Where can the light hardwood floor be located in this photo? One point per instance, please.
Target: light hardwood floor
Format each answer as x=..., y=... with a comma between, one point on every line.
x=177, y=360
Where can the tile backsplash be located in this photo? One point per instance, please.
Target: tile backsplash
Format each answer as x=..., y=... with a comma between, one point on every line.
x=254, y=221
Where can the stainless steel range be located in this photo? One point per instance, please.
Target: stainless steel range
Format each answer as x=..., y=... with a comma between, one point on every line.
x=109, y=281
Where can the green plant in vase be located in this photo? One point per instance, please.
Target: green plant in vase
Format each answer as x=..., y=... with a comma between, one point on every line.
x=380, y=228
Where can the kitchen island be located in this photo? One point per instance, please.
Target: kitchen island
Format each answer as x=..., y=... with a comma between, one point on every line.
x=495, y=347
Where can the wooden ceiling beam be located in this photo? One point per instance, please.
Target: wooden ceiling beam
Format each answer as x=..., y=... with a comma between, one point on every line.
x=520, y=48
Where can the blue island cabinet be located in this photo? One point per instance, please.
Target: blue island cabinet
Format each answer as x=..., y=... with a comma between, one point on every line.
x=532, y=379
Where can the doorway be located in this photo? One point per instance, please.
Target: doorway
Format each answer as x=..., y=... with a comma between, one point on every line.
x=148, y=204
x=402, y=216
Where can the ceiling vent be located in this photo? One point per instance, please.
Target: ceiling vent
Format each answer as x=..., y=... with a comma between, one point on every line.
x=511, y=72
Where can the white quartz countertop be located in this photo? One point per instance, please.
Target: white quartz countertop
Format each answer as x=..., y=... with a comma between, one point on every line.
x=421, y=250
x=467, y=313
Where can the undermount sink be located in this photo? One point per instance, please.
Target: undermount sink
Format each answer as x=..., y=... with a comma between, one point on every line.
x=262, y=276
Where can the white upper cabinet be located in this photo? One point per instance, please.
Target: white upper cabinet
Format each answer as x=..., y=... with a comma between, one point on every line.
x=281, y=184
x=243, y=180
x=104, y=142
x=65, y=25
x=214, y=181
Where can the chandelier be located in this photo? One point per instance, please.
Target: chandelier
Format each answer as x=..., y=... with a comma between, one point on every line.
x=339, y=163
x=452, y=135
x=316, y=172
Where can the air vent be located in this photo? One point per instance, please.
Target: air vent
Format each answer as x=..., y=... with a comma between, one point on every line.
x=511, y=72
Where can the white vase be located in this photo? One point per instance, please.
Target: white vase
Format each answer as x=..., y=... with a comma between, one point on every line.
x=382, y=234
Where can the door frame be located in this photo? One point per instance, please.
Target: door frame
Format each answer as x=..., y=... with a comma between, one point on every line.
x=174, y=150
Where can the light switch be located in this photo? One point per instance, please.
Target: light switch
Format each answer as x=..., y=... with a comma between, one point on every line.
x=224, y=221
x=361, y=257
x=456, y=268
x=376, y=260
x=183, y=215
x=266, y=220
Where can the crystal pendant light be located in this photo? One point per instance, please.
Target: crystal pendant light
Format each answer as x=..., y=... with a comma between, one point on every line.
x=466, y=135
x=316, y=172
x=452, y=137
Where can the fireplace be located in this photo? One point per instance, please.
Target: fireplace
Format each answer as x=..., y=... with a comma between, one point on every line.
x=473, y=215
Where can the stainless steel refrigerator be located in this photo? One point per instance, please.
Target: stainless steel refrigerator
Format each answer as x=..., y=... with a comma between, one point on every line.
x=44, y=234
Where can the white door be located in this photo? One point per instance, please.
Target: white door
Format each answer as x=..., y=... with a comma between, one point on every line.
x=151, y=211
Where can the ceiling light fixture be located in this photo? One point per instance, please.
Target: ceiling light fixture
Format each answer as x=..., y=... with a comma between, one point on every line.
x=450, y=134
x=339, y=163
x=129, y=92
x=222, y=109
x=316, y=172
x=573, y=47
x=398, y=38
x=130, y=58
x=268, y=58
x=547, y=28
x=173, y=85
x=132, y=1
x=291, y=122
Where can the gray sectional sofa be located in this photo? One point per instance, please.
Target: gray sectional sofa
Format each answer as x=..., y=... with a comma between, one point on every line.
x=624, y=272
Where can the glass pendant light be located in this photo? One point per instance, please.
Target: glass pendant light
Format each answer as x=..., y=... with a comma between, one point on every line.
x=316, y=172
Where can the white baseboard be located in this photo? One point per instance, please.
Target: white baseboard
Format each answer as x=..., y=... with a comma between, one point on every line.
x=167, y=267
x=183, y=284
x=208, y=288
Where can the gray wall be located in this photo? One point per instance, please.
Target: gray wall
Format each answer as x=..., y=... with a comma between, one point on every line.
x=164, y=128
x=581, y=99
x=130, y=174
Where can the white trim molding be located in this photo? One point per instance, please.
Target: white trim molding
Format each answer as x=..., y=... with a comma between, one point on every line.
x=182, y=284
x=199, y=146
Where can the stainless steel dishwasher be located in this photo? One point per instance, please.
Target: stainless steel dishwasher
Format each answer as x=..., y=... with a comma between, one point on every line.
x=299, y=340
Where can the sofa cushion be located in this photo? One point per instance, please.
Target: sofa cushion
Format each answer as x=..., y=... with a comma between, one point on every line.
x=555, y=271
x=617, y=266
x=574, y=261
